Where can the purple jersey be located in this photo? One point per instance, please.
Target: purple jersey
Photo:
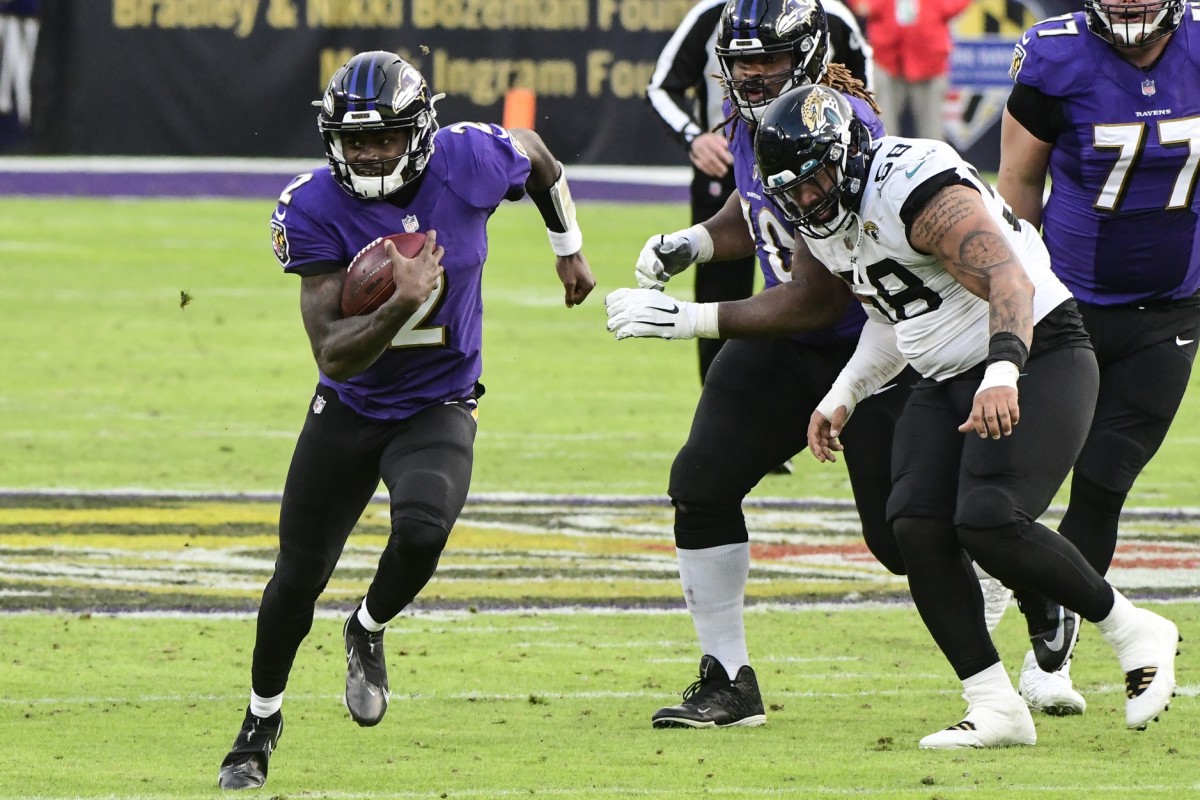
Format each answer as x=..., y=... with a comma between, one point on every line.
x=435, y=357
x=1121, y=219
x=774, y=236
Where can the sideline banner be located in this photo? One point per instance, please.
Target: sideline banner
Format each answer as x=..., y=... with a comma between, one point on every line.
x=237, y=77
x=20, y=25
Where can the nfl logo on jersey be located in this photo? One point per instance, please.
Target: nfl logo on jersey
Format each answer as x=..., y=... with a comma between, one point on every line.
x=1148, y=88
x=410, y=223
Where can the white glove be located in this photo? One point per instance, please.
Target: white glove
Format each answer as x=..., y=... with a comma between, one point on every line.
x=648, y=313
x=669, y=254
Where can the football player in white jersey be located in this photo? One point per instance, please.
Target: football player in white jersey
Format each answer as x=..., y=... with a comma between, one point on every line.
x=957, y=286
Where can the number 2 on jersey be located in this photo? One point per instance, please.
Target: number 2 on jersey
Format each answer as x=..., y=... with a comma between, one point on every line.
x=412, y=334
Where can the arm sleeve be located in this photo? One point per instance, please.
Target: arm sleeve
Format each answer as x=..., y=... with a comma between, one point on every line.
x=680, y=67
x=876, y=360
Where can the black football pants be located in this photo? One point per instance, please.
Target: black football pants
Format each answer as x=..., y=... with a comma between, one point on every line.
x=1145, y=356
x=425, y=462
x=753, y=414
x=958, y=497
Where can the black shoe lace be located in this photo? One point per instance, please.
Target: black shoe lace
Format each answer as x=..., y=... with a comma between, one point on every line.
x=707, y=692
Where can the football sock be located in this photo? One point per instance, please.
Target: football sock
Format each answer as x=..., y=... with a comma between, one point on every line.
x=995, y=675
x=263, y=707
x=367, y=621
x=714, y=587
x=1121, y=619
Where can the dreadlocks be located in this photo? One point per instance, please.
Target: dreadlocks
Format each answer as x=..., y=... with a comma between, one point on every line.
x=837, y=76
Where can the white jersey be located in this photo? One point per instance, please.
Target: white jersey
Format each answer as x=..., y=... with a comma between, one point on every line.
x=941, y=328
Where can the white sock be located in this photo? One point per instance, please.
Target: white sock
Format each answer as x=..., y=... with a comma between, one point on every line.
x=994, y=676
x=714, y=587
x=367, y=621
x=1123, y=629
x=1122, y=615
x=265, y=706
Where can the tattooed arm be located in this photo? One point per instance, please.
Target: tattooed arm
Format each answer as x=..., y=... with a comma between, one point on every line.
x=957, y=228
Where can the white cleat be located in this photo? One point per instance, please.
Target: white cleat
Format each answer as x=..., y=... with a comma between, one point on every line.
x=1049, y=692
x=1146, y=649
x=994, y=719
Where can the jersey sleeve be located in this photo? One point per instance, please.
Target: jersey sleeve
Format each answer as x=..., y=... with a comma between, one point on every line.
x=296, y=238
x=485, y=164
x=1053, y=56
x=919, y=173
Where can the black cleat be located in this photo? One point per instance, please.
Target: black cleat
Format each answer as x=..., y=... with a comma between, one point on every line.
x=366, y=673
x=714, y=701
x=1053, y=631
x=246, y=765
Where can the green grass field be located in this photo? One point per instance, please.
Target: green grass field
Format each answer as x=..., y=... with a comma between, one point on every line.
x=553, y=629
x=109, y=383
x=517, y=705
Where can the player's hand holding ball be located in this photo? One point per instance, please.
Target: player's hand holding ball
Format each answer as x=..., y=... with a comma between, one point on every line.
x=416, y=276
x=403, y=269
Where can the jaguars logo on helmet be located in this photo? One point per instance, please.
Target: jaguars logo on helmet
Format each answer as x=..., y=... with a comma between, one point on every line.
x=818, y=109
x=805, y=132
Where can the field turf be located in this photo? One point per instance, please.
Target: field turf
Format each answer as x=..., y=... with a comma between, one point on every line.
x=142, y=439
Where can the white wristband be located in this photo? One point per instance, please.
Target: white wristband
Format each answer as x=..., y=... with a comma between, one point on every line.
x=702, y=243
x=999, y=373
x=567, y=243
x=704, y=320
x=838, y=395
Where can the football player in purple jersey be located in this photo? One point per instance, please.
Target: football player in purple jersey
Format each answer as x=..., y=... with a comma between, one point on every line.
x=1105, y=101
x=687, y=91
x=742, y=428
x=398, y=388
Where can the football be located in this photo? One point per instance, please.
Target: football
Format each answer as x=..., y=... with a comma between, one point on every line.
x=368, y=281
